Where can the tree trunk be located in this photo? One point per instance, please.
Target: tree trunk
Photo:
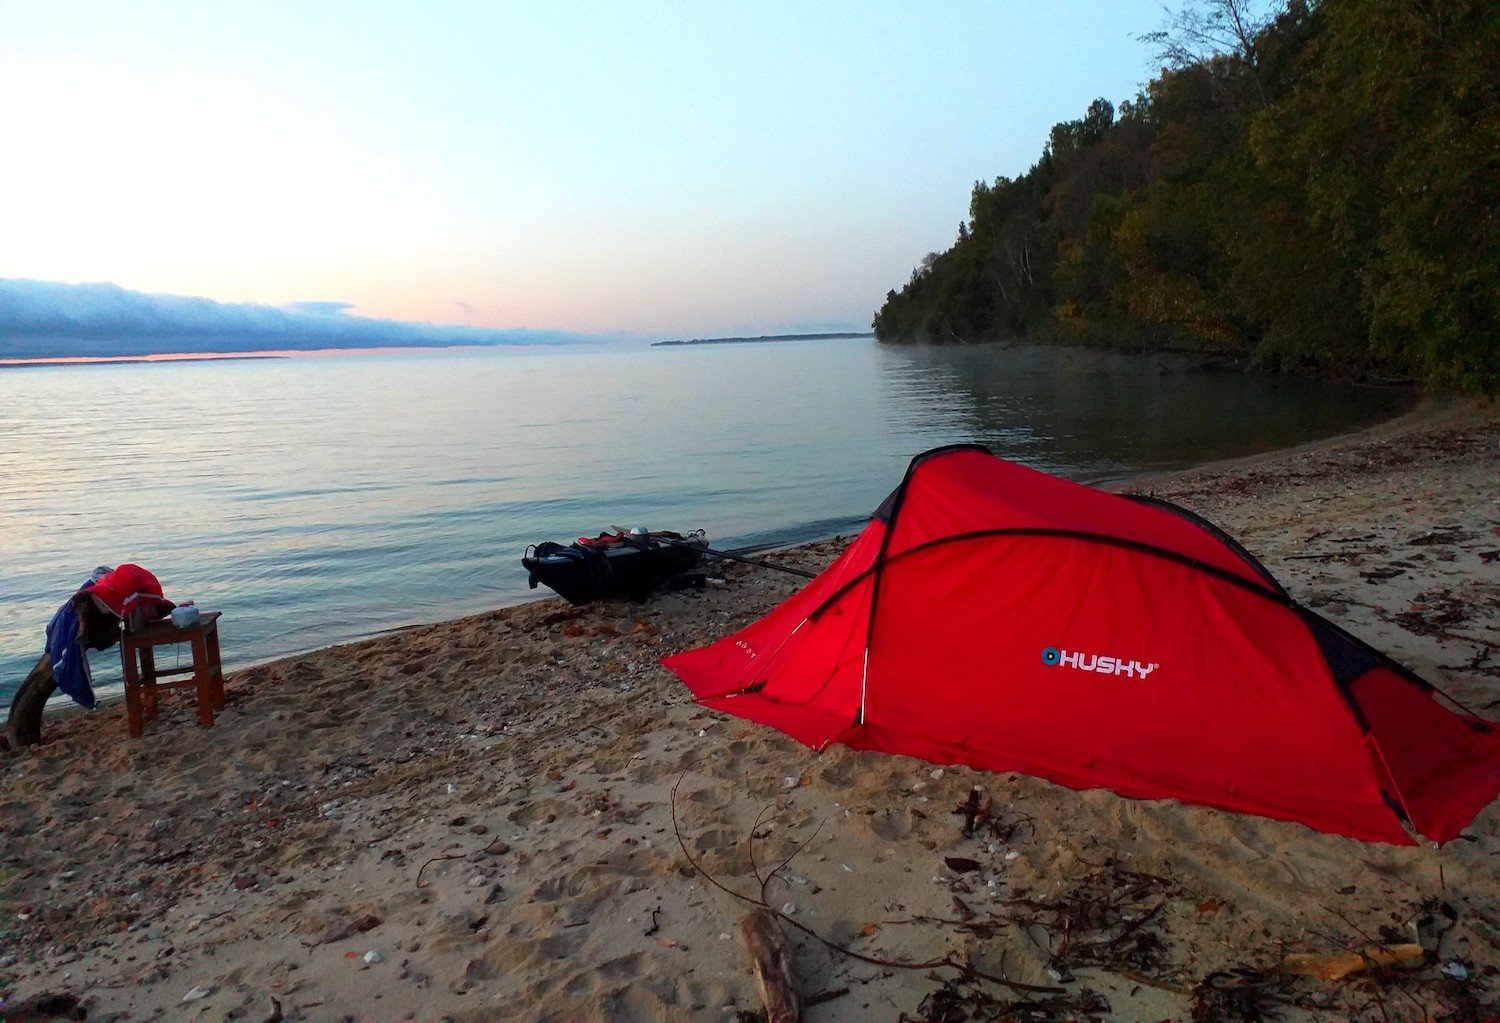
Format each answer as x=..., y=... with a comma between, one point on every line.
x=24, y=726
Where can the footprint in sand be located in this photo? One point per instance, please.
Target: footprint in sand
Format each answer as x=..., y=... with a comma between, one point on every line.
x=891, y=824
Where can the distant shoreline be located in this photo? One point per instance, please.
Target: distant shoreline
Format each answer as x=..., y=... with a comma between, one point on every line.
x=105, y=360
x=764, y=338
x=276, y=353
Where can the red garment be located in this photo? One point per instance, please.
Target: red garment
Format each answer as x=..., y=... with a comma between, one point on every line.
x=995, y=616
x=127, y=588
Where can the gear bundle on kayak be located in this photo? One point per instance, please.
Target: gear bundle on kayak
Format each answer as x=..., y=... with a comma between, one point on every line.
x=999, y=617
x=619, y=564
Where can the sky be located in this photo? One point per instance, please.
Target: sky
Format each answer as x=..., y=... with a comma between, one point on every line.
x=644, y=170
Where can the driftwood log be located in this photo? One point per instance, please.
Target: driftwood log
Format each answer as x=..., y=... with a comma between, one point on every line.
x=771, y=962
x=24, y=725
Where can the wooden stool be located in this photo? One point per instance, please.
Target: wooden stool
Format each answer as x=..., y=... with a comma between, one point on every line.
x=142, y=679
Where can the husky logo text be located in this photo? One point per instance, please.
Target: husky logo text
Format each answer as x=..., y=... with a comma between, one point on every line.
x=1103, y=664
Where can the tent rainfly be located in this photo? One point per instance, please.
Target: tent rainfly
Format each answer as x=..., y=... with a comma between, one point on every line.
x=999, y=617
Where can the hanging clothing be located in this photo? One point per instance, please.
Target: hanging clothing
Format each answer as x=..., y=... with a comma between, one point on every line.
x=69, y=653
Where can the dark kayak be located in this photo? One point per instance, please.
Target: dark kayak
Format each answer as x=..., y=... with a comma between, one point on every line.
x=629, y=565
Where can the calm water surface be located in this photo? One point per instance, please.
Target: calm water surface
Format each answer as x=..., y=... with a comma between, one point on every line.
x=315, y=500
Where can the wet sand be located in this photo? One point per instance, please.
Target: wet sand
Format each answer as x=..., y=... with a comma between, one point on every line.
x=474, y=820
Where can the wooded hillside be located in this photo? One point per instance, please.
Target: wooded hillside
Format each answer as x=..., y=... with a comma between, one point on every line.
x=1318, y=189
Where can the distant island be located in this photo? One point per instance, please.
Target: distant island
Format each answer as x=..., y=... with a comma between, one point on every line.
x=761, y=339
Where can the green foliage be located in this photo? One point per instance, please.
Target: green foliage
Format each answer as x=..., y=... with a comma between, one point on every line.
x=1318, y=188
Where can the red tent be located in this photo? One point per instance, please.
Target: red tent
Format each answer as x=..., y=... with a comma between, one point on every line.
x=999, y=617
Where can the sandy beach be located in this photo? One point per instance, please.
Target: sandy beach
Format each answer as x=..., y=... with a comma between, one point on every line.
x=521, y=815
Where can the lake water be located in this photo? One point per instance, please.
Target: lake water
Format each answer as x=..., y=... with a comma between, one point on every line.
x=320, y=499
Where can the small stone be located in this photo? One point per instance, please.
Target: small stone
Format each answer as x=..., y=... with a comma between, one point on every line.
x=337, y=931
x=1012, y=855
x=372, y=957
x=476, y=880
x=1456, y=970
x=197, y=994
x=789, y=783
x=789, y=908
x=243, y=881
x=937, y=773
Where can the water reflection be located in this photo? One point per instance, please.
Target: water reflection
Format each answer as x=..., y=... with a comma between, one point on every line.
x=1090, y=413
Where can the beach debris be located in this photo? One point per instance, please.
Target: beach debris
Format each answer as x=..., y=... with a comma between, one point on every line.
x=372, y=957
x=771, y=963
x=43, y=1007
x=965, y=1000
x=1338, y=965
x=1239, y=995
x=1104, y=921
x=975, y=810
x=1456, y=970
x=340, y=930
x=961, y=864
x=197, y=994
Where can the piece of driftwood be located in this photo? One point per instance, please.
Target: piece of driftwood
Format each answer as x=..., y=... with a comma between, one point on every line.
x=771, y=962
x=1339, y=965
x=24, y=725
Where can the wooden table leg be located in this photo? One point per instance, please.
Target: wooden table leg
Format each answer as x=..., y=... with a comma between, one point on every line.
x=203, y=685
x=132, y=690
x=149, y=699
x=215, y=665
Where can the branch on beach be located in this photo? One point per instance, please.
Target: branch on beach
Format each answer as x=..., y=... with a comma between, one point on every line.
x=965, y=970
x=497, y=847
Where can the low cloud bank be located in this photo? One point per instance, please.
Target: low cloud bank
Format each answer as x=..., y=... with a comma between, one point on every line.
x=50, y=319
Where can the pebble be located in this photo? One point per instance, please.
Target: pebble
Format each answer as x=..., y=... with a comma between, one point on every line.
x=789, y=908
x=197, y=994
x=372, y=957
